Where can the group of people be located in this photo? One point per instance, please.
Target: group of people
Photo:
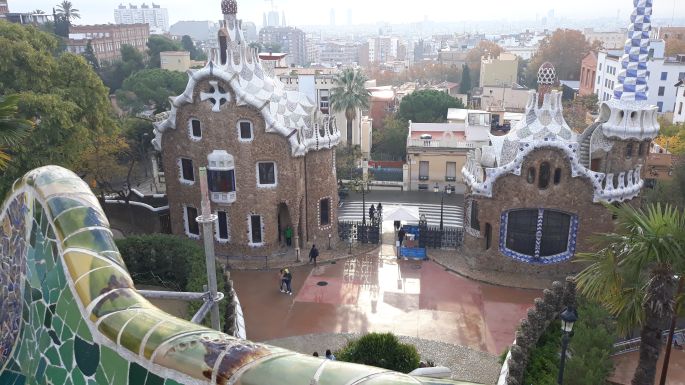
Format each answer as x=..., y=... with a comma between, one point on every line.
x=286, y=278
x=373, y=211
x=329, y=355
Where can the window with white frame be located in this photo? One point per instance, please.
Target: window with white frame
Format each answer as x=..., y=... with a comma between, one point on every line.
x=223, y=229
x=325, y=212
x=195, y=129
x=451, y=171
x=266, y=174
x=245, y=131
x=221, y=176
x=187, y=171
x=192, y=228
x=423, y=170
x=256, y=238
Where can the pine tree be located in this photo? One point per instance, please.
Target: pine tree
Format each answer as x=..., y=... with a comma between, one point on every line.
x=465, y=86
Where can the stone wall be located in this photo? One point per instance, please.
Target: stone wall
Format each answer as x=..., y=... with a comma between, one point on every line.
x=220, y=132
x=615, y=161
x=544, y=311
x=571, y=195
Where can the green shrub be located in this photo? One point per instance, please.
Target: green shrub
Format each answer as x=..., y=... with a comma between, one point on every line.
x=174, y=263
x=383, y=350
x=503, y=356
x=588, y=360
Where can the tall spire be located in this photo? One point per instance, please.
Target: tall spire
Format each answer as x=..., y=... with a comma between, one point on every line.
x=632, y=78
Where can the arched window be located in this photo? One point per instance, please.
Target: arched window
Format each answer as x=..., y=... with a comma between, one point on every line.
x=543, y=178
x=530, y=235
x=641, y=149
x=557, y=176
x=531, y=175
x=629, y=150
x=488, y=236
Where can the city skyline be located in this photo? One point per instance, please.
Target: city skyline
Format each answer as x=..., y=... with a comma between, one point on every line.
x=304, y=13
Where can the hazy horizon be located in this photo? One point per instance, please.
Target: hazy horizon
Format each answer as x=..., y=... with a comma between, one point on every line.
x=308, y=13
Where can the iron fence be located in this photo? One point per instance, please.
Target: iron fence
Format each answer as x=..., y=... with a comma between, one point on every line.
x=369, y=233
x=434, y=238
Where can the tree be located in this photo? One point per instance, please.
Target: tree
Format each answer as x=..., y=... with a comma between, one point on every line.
x=188, y=45
x=67, y=12
x=392, y=139
x=427, y=106
x=565, y=49
x=465, y=85
x=90, y=57
x=349, y=95
x=669, y=191
x=632, y=272
x=157, y=44
x=63, y=92
x=347, y=160
x=131, y=61
x=12, y=127
x=150, y=88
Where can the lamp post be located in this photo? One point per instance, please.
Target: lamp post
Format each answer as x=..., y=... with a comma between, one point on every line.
x=363, y=204
x=568, y=317
x=329, y=241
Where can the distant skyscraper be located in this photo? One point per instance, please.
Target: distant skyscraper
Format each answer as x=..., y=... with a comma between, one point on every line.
x=271, y=19
x=332, y=16
x=349, y=17
x=283, y=19
x=156, y=17
x=4, y=8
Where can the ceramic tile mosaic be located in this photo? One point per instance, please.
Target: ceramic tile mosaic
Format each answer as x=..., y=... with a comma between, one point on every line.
x=69, y=313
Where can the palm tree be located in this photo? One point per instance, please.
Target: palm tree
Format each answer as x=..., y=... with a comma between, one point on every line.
x=632, y=274
x=349, y=94
x=12, y=129
x=66, y=11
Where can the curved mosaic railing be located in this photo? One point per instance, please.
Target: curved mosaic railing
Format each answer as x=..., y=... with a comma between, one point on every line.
x=69, y=312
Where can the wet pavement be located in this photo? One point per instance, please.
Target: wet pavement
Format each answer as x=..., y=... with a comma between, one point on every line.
x=377, y=292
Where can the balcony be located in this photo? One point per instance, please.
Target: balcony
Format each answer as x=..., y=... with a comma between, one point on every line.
x=440, y=143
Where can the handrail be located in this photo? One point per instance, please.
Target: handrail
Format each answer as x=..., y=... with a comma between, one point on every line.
x=633, y=345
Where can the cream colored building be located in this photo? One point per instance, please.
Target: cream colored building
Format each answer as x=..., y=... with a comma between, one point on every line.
x=501, y=71
x=175, y=60
x=436, y=152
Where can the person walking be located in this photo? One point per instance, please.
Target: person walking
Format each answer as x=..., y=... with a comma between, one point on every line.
x=372, y=211
x=288, y=278
x=281, y=278
x=288, y=236
x=379, y=208
x=313, y=253
x=400, y=235
x=329, y=355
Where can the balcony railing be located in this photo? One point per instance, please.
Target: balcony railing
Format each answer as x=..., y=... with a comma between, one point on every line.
x=439, y=143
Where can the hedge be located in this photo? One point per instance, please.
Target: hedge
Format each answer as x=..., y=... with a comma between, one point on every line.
x=383, y=350
x=174, y=263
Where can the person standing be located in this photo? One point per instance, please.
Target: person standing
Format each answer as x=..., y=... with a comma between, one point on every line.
x=313, y=253
x=281, y=277
x=372, y=211
x=288, y=277
x=400, y=235
x=288, y=236
x=379, y=208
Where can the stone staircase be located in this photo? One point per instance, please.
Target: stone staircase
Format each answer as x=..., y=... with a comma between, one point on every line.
x=584, y=141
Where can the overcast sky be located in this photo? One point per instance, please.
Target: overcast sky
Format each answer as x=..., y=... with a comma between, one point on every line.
x=317, y=12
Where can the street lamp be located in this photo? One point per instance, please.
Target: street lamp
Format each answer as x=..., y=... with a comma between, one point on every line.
x=363, y=205
x=568, y=317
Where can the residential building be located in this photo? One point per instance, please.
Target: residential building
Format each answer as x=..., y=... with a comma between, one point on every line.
x=339, y=53
x=316, y=83
x=4, y=8
x=511, y=98
x=448, y=57
x=107, y=39
x=535, y=196
x=609, y=39
x=250, y=31
x=665, y=71
x=437, y=151
x=291, y=40
x=155, y=16
x=659, y=165
x=268, y=153
x=382, y=103
x=28, y=18
x=666, y=33
x=679, y=111
x=588, y=74
x=501, y=71
x=175, y=60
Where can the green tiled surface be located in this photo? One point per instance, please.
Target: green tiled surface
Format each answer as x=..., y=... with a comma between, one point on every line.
x=69, y=314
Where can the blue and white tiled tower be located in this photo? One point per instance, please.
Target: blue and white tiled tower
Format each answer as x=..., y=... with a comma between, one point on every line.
x=632, y=78
x=628, y=115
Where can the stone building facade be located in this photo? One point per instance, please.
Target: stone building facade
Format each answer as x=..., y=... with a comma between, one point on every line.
x=535, y=196
x=107, y=39
x=269, y=154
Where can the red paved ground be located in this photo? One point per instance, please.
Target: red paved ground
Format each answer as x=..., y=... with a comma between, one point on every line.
x=382, y=294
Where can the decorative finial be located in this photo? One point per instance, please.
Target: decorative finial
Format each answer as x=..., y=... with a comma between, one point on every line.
x=229, y=7
x=547, y=79
x=632, y=78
